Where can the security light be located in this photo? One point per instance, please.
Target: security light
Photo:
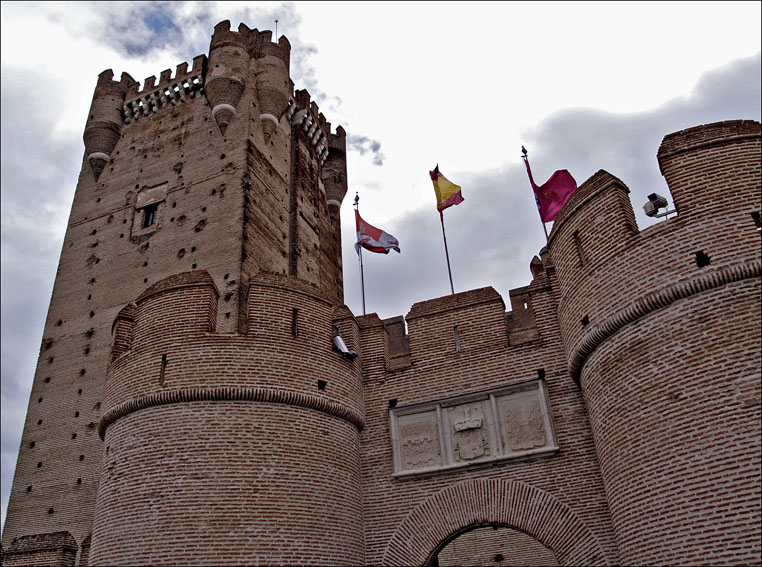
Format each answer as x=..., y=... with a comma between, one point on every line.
x=656, y=202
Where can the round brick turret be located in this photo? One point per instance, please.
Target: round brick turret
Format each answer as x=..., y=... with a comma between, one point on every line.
x=334, y=170
x=217, y=446
x=273, y=82
x=662, y=332
x=701, y=166
x=226, y=71
x=105, y=120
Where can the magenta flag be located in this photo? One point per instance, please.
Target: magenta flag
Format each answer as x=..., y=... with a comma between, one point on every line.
x=553, y=194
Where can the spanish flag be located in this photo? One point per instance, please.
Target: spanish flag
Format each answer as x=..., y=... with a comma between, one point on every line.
x=448, y=194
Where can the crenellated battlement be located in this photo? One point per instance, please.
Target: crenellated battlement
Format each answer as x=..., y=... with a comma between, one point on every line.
x=259, y=44
x=182, y=73
x=465, y=324
x=173, y=324
x=609, y=272
x=701, y=165
x=170, y=90
x=706, y=135
x=106, y=82
x=188, y=83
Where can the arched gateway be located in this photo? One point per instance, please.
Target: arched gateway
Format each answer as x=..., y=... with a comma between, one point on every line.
x=493, y=501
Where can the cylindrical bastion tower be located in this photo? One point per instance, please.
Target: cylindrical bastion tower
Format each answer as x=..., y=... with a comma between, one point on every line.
x=224, y=449
x=662, y=330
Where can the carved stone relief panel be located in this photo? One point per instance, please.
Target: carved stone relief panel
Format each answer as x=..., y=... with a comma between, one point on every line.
x=524, y=421
x=419, y=441
x=469, y=432
x=492, y=425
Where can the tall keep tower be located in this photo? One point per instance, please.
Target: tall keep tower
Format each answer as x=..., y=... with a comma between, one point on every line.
x=218, y=185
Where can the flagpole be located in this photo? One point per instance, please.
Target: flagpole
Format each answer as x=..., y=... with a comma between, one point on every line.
x=362, y=282
x=447, y=254
x=359, y=248
x=526, y=162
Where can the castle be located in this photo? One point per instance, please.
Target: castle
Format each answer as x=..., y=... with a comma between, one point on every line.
x=190, y=405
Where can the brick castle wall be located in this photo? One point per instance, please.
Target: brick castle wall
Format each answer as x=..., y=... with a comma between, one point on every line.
x=663, y=329
x=162, y=146
x=210, y=436
x=570, y=478
x=188, y=404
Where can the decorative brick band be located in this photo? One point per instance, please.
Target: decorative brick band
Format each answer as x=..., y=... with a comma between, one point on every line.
x=230, y=394
x=41, y=543
x=652, y=302
x=493, y=502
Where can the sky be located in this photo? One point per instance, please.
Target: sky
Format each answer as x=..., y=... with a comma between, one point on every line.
x=583, y=86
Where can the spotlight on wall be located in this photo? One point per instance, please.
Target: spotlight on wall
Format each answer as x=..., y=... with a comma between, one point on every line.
x=656, y=202
x=341, y=348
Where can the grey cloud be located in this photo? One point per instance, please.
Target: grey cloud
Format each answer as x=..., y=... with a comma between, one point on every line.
x=585, y=140
x=364, y=145
x=138, y=28
x=38, y=175
x=493, y=235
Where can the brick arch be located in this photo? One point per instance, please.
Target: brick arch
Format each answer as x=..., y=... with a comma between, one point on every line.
x=493, y=501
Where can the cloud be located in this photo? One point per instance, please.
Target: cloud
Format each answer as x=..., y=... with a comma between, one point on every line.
x=364, y=145
x=493, y=235
x=35, y=206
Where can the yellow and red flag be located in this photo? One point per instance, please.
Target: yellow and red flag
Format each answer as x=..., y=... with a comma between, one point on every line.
x=448, y=194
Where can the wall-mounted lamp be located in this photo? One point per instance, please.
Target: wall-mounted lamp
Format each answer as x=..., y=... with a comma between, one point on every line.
x=341, y=348
x=656, y=202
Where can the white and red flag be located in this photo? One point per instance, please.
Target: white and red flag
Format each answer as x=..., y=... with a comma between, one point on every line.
x=372, y=238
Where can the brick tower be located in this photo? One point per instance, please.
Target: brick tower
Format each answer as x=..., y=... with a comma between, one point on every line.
x=218, y=184
x=662, y=329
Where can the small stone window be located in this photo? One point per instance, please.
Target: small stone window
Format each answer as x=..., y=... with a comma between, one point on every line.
x=150, y=213
x=149, y=203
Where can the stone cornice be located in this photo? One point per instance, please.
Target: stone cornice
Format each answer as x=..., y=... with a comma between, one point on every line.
x=231, y=394
x=652, y=302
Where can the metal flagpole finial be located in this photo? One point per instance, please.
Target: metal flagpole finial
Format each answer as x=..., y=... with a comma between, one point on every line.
x=357, y=200
x=524, y=152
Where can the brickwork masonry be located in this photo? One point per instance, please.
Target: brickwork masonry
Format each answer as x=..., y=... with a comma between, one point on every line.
x=190, y=405
x=282, y=414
